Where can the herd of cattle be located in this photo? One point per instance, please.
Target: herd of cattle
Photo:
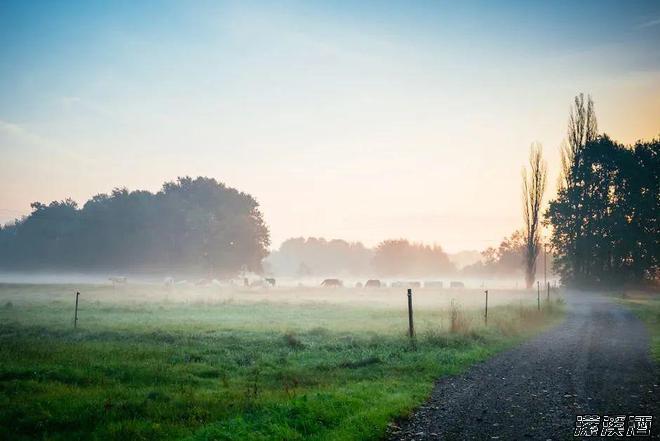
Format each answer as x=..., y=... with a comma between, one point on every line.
x=375, y=283
x=269, y=282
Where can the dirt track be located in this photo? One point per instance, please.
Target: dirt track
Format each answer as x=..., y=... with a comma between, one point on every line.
x=596, y=362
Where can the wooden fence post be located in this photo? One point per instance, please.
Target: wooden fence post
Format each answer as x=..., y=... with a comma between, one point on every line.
x=411, y=326
x=486, y=311
x=75, y=316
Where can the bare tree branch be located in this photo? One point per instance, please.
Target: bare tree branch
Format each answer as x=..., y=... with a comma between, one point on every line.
x=582, y=129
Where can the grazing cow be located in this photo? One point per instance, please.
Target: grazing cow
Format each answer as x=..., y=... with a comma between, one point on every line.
x=455, y=284
x=118, y=280
x=332, y=283
x=373, y=283
x=406, y=284
x=263, y=283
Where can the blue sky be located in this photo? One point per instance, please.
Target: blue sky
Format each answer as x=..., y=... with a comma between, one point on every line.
x=363, y=120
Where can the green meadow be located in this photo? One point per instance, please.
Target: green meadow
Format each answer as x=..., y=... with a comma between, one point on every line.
x=208, y=363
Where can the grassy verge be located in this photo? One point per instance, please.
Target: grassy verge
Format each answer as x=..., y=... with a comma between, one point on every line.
x=227, y=371
x=647, y=307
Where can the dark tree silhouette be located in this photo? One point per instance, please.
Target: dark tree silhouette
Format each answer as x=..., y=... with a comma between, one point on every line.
x=582, y=129
x=605, y=223
x=191, y=225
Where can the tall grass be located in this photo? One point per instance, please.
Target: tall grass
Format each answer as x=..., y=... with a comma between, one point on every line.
x=646, y=305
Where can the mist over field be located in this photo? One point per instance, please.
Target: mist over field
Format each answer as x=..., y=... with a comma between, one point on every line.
x=199, y=230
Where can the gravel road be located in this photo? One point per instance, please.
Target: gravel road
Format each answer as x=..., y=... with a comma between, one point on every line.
x=595, y=362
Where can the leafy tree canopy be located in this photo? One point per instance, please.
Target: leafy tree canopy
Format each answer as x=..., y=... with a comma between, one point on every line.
x=191, y=225
x=605, y=216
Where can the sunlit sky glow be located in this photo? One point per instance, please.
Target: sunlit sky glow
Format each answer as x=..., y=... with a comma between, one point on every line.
x=363, y=121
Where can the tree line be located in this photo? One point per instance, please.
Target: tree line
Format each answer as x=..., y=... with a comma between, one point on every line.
x=394, y=257
x=604, y=218
x=302, y=257
x=191, y=225
x=603, y=224
x=312, y=256
x=506, y=261
x=397, y=257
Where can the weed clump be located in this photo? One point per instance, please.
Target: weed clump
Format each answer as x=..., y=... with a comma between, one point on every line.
x=155, y=395
x=458, y=323
x=192, y=358
x=293, y=341
x=360, y=363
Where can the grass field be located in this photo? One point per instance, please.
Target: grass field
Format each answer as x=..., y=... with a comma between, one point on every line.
x=647, y=308
x=147, y=362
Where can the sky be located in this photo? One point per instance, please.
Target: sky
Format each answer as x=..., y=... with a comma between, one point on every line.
x=344, y=119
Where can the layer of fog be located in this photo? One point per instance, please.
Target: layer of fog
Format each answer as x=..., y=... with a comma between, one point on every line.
x=258, y=281
x=287, y=291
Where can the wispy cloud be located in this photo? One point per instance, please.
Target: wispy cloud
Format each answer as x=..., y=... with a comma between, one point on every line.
x=16, y=131
x=12, y=133
x=649, y=24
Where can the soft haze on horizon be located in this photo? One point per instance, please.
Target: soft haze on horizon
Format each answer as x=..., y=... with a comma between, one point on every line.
x=362, y=121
